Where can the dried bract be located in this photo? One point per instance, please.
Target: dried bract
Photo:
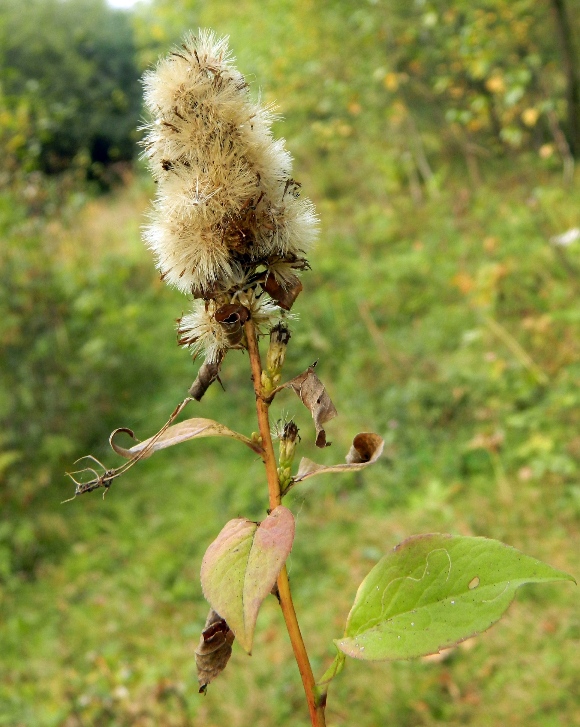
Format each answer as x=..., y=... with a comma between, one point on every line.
x=313, y=395
x=214, y=649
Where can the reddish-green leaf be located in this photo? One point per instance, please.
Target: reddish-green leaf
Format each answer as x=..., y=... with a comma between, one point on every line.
x=241, y=566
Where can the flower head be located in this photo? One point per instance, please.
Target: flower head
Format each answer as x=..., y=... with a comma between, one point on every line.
x=226, y=200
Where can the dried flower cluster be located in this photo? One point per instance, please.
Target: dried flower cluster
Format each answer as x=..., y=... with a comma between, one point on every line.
x=228, y=225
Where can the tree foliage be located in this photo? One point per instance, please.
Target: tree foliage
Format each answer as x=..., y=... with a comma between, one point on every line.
x=427, y=77
x=69, y=90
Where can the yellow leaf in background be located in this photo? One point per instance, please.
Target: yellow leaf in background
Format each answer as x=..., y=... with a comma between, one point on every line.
x=498, y=367
x=391, y=82
x=8, y=458
x=536, y=444
x=344, y=129
x=490, y=244
x=539, y=324
x=546, y=151
x=16, y=143
x=464, y=282
x=530, y=116
x=157, y=32
x=495, y=84
x=475, y=124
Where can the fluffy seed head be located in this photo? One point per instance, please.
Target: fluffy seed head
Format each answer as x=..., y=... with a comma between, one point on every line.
x=226, y=199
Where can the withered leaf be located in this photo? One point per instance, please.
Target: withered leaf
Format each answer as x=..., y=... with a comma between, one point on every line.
x=182, y=432
x=207, y=374
x=232, y=313
x=108, y=475
x=284, y=295
x=231, y=318
x=366, y=448
x=214, y=649
x=314, y=396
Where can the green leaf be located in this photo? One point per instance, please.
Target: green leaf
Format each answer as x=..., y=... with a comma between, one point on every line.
x=240, y=568
x=433, y=591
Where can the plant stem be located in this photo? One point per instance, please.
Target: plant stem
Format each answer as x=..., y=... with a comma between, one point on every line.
x=316, y=710
x=263, y=418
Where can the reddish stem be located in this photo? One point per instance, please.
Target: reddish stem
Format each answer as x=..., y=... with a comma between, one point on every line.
x=316, y=710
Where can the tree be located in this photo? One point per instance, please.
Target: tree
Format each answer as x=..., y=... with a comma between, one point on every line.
x=570, y=63
x=71, y=65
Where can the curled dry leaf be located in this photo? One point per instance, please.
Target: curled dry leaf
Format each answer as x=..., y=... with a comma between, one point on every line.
x=313, y=395
x=182, y=432
x=108, y=475
x=366, y=448
x=241, y=566
x=284, y=296
x=214, y=649
x=207, y=374
x=232, y=317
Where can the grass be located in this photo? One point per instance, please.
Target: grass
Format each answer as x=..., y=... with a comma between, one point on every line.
x=101, y=630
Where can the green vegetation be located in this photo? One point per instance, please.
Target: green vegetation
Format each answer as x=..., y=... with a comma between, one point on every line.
x=443, y=318
x=69, y=84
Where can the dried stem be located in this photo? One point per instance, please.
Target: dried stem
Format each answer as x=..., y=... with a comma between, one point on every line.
x=316, y=710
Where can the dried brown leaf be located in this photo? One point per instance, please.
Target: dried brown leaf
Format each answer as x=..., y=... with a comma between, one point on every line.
x=314, y=396
x=182, y=432
x=207, y=374
x=365, y=450
x=283, y=295
x=214, y=649
x=108, y=475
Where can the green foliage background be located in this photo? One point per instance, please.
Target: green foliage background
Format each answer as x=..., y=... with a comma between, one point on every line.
x=442, y=316
x=69, y=78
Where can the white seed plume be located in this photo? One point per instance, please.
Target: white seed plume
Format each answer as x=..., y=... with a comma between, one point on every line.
x=225, y=199
x=202, y=333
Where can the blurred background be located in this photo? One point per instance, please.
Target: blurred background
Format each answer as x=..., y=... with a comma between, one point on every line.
x=438, y=141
